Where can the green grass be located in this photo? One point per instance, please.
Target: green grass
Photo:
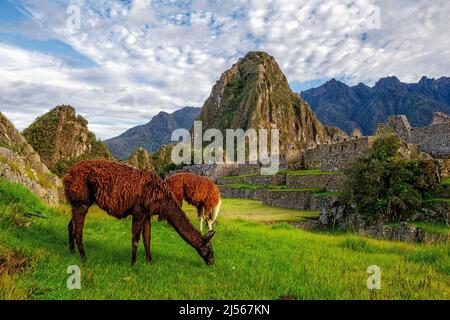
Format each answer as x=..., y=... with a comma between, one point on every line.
x=241, y=176
x=309, y=172
x=276, y=188
x=446, y=181
x=328, y=193
x=438, y=200
x=253, y=260
x=439, y=228
x=242, y=186
x=254, y=210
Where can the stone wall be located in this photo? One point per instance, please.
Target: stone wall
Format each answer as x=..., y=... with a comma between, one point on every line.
x=445, y=167
x=241, y=193
x=403, y=232
x=336, y=156
x=433, y=139
x=300, y=200
x=328, y=182
x=256, y=180
x=215, y=171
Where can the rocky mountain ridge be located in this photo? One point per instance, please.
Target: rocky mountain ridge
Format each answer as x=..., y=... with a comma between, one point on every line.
x=364, y=107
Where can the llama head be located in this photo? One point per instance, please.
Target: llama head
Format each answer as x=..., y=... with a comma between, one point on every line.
x=206, y=250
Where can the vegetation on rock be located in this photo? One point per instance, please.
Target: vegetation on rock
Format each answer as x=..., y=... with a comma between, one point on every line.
x=62, y=139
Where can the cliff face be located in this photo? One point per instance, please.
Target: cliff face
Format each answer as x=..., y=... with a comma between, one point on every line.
x=363, y=107
x=20, y=163
x=254, y=93
x=152, y=135
x=62, y=139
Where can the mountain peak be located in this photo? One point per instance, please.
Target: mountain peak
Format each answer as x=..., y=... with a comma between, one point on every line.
x=386, y=82
x=153, y=134
x=254, y=93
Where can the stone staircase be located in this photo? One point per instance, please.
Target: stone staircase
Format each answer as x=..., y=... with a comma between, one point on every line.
x=301, y=190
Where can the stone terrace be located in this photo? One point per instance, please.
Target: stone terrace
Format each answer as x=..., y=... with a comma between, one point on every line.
x=301, y=190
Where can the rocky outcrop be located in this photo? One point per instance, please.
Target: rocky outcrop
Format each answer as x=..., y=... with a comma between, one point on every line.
x=141, y=159
x=20, y=163
x=62, y=139
x=254, y=93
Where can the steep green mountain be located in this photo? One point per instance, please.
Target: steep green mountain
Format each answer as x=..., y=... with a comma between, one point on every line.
x=365, y=107
x=20, y=163
x=254, y=93
x=62, y=139
x=152, y=135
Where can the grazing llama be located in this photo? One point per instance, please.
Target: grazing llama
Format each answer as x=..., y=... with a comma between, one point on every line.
x=198, y=191
x=121, y=190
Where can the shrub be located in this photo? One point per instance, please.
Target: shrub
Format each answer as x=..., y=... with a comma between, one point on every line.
x=383, y=187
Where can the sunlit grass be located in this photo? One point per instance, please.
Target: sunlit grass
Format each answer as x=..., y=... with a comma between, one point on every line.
x=254, y=260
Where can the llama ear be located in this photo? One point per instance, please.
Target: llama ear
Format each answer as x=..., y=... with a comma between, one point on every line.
x=209, y=235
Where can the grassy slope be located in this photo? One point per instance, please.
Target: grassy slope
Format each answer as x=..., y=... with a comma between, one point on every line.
x=253, y=260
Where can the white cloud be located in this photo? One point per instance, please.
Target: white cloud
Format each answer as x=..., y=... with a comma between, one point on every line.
x=152, y=57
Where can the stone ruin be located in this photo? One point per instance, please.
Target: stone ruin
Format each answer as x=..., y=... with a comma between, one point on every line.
x=433, y=139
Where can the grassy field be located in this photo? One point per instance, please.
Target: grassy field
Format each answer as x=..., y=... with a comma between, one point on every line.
x=254, y=260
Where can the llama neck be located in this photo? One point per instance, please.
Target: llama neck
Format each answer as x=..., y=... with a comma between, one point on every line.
x=178, y=219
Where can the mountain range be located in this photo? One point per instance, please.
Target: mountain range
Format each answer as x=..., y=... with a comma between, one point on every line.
x=154, y=134
x=365, y=107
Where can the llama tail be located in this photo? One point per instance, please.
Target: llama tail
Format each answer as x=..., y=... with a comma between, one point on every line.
x=216, y=210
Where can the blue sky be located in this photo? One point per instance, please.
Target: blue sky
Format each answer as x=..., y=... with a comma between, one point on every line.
x=128, y=60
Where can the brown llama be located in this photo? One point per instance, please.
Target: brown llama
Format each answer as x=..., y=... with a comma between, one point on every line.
x=198, y=191
x=121, y=190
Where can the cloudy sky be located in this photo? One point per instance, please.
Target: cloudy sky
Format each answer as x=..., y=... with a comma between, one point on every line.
x=121, y=62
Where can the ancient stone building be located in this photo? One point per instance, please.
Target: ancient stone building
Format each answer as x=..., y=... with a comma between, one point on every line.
x=433, y=139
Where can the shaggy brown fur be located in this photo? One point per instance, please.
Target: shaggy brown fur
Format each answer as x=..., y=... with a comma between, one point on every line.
x=198, y=191
x=121, y=190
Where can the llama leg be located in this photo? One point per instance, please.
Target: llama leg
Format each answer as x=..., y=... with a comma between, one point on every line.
x=71, y=230
x=147, y=234
x=201, y=224
x=200, y=216
x=209, y=225
x=78, y=216
x=138, y=221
